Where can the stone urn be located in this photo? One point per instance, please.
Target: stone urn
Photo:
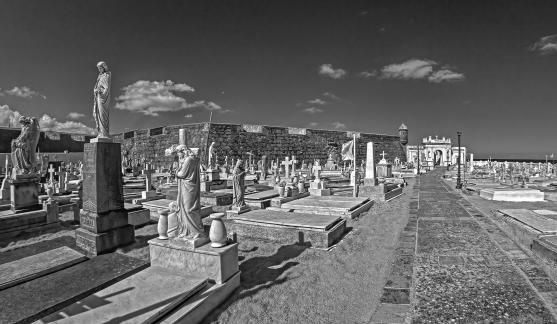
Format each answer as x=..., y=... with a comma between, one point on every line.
x=217, y=232
x=281, y=191
x=301, y=187
x=162, y=227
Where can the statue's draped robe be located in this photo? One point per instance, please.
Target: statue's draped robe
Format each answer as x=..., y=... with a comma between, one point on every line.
x=102, y=99
x=23, y=149
x=189, y=198
x=238, y=177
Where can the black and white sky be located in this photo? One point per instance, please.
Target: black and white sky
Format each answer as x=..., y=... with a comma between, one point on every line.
x=486, y=68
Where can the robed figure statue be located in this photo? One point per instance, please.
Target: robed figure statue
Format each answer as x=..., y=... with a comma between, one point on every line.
x=189, y=195
x=101, y=94
x=23, y=147
x=238, y=186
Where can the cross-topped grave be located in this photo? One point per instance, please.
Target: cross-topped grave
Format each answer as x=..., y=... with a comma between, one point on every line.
x=317, y=172
x=294, y=162
x=147, y=172
x=287, y=163
x=383, y=161
x=51, y=171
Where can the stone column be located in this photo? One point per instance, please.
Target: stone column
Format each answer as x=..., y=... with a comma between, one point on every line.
x=370, y=178
x=182, y=136
x=103, y=220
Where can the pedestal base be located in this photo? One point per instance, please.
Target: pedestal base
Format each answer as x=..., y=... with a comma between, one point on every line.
x=95, y=244
x=218, y=264
x=24, y=194
x=235, y=211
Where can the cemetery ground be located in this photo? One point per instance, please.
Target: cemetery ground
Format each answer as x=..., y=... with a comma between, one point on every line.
x=433, y=255
x=281, y=284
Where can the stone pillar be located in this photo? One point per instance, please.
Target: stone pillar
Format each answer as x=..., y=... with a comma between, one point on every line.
x=182, y=136
x=370, y=178
x=103, y=220
x=471, y=162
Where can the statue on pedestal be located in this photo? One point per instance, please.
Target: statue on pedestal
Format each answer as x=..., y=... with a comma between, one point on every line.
x=238, y=186
x=210, y=154
x=101, y=94
x=189, y=195
x=24, y=160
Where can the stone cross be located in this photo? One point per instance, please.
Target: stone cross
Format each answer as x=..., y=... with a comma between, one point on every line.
x=294, y=161
x=51, y=171
x=148, y=171
x=383, y=155
x=286, y=164
x=317, y=172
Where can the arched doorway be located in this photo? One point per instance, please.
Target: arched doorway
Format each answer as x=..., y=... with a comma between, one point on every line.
x=437, y=158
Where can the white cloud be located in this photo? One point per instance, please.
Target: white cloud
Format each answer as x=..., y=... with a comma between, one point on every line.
x=411, y=69
x=445, y=75
x=313, y=124
x=8, y=116
x=188, y=116
x=75, y=115
x=330, y=96
x=313, y=110
x=338, y=126
x=22, y=92
x=317, y=101
x=329, y=71
x=47, y=123
x=546, y=45
x=417, y=69
x=367, y=74
x=153, y=97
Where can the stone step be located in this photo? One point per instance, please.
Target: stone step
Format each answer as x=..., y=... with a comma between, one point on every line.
x=144, y=297
x=35, y=299
x=34, y=266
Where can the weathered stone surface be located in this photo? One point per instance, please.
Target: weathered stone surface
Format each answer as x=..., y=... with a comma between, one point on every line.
x=218, y=264
x=97, y=243
x=516, y=194
x=15, y=222
x=234, y=140
x=102, y=181
x=98, y=223
x=146, y=296
x=34, y=266
x=216, y=198
x=331, y=205
x=24, y=194
x=32, y=300
x=319, y=231
x=538, y=222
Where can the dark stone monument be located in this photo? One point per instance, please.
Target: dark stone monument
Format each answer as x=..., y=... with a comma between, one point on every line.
x=103, y=220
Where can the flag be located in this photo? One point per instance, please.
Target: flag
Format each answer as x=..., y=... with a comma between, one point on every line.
x=348, y=151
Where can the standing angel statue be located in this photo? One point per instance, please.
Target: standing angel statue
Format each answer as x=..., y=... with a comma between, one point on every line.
x=189, y=195
x=101, y=94
x=24, y=159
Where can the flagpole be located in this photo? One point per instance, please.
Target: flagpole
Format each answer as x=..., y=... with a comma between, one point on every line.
x=355, y=193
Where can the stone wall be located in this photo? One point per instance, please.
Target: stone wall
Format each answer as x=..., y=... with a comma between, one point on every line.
x=236, y=140
x=48, y=141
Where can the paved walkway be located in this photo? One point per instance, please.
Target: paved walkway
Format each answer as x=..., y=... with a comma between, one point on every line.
x=465, y=269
